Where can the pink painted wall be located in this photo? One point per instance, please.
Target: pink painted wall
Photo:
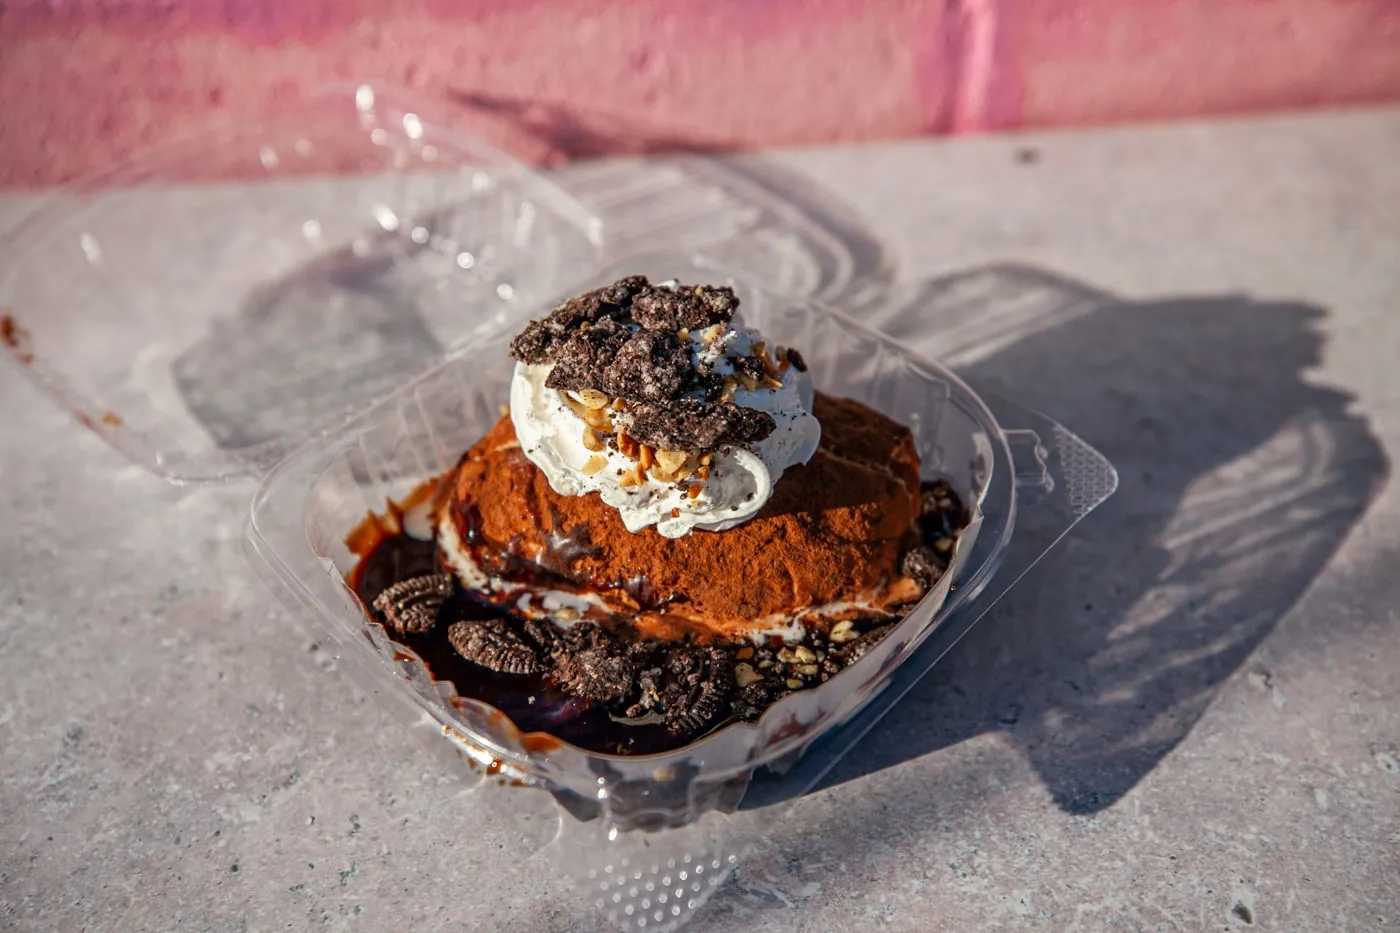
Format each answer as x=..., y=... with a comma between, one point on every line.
x=83, y=82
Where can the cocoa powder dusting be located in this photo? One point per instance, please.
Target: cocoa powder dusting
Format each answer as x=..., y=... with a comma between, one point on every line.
x=834, y=529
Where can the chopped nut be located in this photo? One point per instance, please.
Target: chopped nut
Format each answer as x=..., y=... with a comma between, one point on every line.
x=591, y=440
x=671, y=466
x=633, y=477
x=670, y=461
x=703, y=473
x=628, y=445
x=618, y=404
x=505, y=410
x=593, y=399
x=843, y=632
x=728, y=388
x=764, y=664
x=594, y=464
x=693, y=492
x=787, y=656
x=804, y=654
x=748, y=382
x=744, y=675
x=743, y=654
x=943, y=545
x=647, y=457
x=760, y=349
x=661, y=476
x=712, y=333
x=598, y=418
x=768, y=382
x=794, y=684
x=683, y=333
x=706, y=457
x=808, y=670
x=675, y=513
x=567, y=614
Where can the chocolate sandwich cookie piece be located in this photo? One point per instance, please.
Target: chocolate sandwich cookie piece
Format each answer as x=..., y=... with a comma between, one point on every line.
x=857, y=649
x=582, y=357
x=626, y=339
x=692, y=424
x=924, y=566
x=604, y=674
x=690, y=307
x=689, y=686
x=412, y=605
x=539, y=341
x=650, y=366
x=495, y=645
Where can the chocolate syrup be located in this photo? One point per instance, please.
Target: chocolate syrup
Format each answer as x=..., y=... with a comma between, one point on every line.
x=536, y=703
x=532, y=702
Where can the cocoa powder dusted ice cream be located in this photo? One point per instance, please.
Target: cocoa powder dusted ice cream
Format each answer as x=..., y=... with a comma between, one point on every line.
x=830, y=542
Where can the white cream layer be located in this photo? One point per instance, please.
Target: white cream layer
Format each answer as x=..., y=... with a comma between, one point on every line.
x=740, y=481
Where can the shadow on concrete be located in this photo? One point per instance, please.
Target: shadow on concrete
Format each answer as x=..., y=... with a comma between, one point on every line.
x=1240, y=478
x=566, y=132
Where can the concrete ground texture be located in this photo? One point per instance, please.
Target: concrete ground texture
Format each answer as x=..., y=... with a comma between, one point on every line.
x=1187, y=717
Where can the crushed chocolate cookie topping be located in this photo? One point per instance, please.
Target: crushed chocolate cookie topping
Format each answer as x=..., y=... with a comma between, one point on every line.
x=942, y=517
x=581, y=357
x=699, y=695
x=750, y=366
x=630, y=342
x=689, y=424
x=856, y=650
x=413, y=605
x=924, y=565
x=688, y=307
x=539, y=341
x=495, y=645
x=545, y=634
x=651, y=365
x=602, y=674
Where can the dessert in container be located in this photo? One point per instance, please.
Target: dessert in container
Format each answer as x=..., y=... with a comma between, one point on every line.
x=336, y=326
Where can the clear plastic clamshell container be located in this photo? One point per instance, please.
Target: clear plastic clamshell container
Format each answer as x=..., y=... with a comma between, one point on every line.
x=333, y=322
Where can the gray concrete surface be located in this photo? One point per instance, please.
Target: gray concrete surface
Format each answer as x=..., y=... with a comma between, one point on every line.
x=1186, y=718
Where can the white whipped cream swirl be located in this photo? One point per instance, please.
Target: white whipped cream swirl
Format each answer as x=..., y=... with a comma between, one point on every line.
x=741, y=479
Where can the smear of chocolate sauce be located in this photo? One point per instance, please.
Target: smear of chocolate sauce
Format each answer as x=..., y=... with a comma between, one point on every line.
x=537, y=703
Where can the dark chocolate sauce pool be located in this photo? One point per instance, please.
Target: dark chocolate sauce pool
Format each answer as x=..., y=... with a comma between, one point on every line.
x=533, y=702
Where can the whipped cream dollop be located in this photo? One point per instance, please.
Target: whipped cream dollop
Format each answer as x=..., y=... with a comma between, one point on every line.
x=719, y=488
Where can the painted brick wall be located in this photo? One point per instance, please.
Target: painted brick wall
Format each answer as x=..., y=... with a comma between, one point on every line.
x=84, y=81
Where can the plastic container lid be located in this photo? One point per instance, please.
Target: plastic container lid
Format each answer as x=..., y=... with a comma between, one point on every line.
x=206, y=329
